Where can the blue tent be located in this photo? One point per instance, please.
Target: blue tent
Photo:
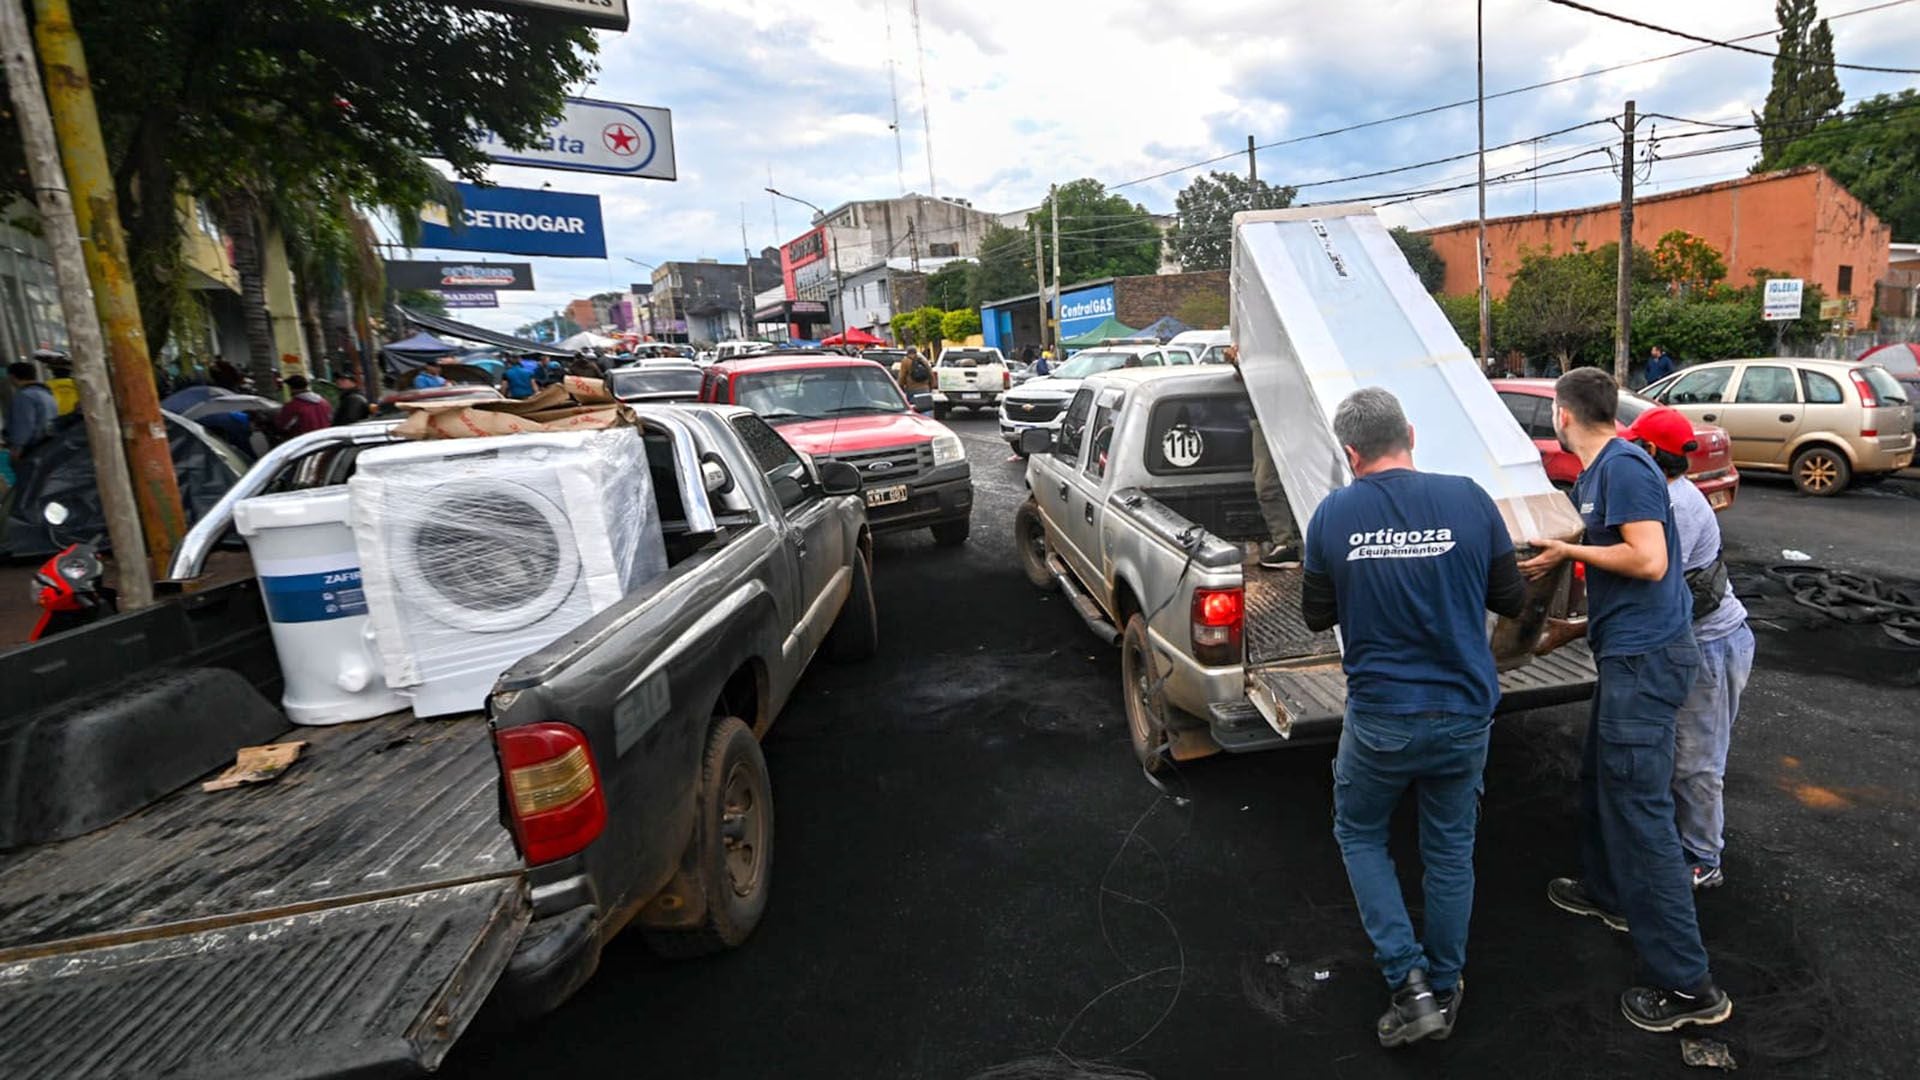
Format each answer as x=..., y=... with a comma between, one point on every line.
x=1164, y=328
x=423, y=344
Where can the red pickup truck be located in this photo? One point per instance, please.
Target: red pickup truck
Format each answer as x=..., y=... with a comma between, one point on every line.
x=839, y=408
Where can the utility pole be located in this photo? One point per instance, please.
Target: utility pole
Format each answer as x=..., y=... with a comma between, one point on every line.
x=1040, y=283
x=1253, y=178
x=1480, y=245
x=1053, y=199
x=1624, y=321
x=96, y=215
x=86, y=347
x=746, y=306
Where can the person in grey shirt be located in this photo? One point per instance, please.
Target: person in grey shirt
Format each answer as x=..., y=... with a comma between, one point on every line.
x=1703, y=728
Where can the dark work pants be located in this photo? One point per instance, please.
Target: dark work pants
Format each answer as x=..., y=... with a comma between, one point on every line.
x=1630, y=848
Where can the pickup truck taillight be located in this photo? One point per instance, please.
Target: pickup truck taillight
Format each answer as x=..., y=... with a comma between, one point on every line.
x=1219, y=622
x=553, y=790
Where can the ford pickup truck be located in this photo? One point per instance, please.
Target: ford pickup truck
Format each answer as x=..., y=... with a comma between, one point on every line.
x=1142, y=512
x=352, y=916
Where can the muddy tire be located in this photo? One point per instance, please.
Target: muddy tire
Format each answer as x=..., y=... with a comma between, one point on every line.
x=856, y=632
x=733, y=837
x=1030, y=540
x=1821, y=470
x=1146, y=709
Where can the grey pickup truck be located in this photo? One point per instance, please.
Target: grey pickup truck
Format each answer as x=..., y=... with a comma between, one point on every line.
x=1141, y=513
x=352, y=916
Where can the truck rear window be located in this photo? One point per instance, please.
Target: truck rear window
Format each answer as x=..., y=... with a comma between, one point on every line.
x=1210, y=434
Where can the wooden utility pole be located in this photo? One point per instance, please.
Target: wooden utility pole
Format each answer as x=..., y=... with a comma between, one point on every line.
x=96, y=215
x=1480, y=245
x=1623, y=324
x=1040, y=284
x=1253, y=178
x=86, y=348
x=1053, y=200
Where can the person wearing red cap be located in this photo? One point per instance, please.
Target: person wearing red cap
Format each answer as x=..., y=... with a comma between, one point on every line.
x=1704, y=727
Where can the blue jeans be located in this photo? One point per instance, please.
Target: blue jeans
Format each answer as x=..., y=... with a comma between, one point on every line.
x=1629, y=845
x=1701, y=733
x=1440, y=756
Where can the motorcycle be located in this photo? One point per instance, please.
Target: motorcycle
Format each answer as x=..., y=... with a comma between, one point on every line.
x=68, y=587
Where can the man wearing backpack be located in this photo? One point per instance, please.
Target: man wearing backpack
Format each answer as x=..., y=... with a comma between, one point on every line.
x=915, y=374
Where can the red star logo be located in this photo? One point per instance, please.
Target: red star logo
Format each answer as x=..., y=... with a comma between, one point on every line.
x=621, y=139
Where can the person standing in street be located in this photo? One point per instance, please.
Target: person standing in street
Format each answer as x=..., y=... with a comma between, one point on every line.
x=429, y=376
x=517, y=379
x=1659, y=365
x=1408, y=563
x=1283, y=536
x=1639, y=623
x=1703, y=729
x=351, y=406
x=304, y=411
x=915, y=375
x=30, y=416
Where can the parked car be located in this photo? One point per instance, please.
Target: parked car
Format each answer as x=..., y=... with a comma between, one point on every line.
x=1039, y=402
x=971, y=379
x=1531, y=401
x=1826, y=423
x=1207, y=346
x=1902, y=361
x=727, y=350
x=844, y=408
x=655, y=381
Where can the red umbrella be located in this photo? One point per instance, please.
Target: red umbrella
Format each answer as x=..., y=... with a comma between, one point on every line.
x=853, y=336
x=1900, y=358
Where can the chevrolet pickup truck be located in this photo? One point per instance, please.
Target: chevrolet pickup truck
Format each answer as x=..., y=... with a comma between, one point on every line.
x=351, y=916
x=1142, y=513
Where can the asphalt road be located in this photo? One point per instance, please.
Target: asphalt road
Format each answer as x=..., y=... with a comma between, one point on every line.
x=973, y=880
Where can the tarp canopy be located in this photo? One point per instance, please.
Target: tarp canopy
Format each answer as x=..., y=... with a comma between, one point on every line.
x=453, y=328
x=853, y=336
x=587, y=339
x=1108, y=328
x=1164, y=328
x=424, y=344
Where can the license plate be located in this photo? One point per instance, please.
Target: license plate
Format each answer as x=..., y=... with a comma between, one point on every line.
x=884, y=496
x=968, y=397
x=1720, y=500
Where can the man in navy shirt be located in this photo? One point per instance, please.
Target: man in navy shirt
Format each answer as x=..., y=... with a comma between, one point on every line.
x=1640, y=625
x=1409, y=563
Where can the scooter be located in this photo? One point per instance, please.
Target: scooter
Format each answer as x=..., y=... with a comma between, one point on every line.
x=69, y=590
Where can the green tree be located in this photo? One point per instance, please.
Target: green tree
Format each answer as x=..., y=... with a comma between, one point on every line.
x=1101, y=235
x=959, y=325
x=1464, y=313
x=1688, y=264
x=1805, y=89
x=951, y=286
x=921, y=326
x=1873, y=150
x=1562, y=305
x=1006, y=264
x=1426, y=262
x=1203, y=311
x=1202, y=239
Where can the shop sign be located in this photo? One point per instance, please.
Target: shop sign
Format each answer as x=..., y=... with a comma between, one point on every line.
x=1084, y=309
x=1782, y=300
x=519, y=221
x=470, y=298
x=404, y=274
x=598, y=137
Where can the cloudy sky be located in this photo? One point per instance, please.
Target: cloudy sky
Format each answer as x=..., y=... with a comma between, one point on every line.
x=1021, y=94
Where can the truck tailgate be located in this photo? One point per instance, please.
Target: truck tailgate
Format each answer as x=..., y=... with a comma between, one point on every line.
x=346, y=918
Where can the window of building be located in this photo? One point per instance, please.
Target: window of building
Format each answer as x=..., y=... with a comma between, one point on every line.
x=943, y=251
x=1846, y=281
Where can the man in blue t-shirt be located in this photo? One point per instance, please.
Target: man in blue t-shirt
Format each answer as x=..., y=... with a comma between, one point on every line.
x=518, y=379
x=1408, y=564
x=1639, y=623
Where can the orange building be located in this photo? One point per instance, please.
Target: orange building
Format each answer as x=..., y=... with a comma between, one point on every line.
x=1799, y=222
x=583, y=315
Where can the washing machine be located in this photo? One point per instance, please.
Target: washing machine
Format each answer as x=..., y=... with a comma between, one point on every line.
x=478, y=552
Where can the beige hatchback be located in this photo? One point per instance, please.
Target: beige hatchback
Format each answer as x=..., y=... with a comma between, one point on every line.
x=1825, y=422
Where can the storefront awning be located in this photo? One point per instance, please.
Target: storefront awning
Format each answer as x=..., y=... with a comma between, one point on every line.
x=793, y=311
x=468, y=332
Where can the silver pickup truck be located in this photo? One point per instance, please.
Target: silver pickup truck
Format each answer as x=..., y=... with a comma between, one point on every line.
x=1142, y=514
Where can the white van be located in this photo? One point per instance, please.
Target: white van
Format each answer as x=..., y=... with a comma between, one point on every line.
x=1207, y=346
x=727, y=350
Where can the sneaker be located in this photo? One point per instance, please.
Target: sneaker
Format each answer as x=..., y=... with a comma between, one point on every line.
x=1414, y=1014
x=1708, y=877
x=1568, y=894
x=1280, y=556
x=1667, y=1010
x=1449, y=1006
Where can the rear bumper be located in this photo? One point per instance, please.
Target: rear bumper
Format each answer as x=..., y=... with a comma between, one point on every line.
x=969, y=399
x=1726, y=486
x=553, y=959
x=946, y=496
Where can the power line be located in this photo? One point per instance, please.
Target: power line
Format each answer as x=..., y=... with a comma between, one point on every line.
x=1682, y=34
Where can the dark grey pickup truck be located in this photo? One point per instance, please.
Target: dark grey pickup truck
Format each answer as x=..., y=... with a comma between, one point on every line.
x=352, y=916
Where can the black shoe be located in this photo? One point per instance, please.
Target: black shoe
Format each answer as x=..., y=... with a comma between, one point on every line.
x=1280, y=557
x=1414, y=1014
x=1707, y=877
x=1666, y=1010
x=1568, y=894
x=1450, y=1006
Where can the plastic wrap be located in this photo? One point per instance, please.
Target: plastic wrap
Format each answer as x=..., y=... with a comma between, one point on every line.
x=1324, y=303
x=476, y=552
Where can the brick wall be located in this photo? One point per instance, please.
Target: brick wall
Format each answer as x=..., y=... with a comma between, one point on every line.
x=1139, y=301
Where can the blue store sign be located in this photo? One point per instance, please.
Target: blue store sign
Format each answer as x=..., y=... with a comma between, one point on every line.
x=1084, y=309
x=519, y=221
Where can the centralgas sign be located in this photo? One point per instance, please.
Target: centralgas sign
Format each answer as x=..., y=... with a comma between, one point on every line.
x=1084, y=309
x=598, y=137
x=519, y=221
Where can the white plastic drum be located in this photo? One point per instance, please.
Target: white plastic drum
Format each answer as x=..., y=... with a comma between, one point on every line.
x=309, y=572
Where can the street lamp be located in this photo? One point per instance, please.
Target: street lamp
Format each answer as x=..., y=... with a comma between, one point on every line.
x=833, y=252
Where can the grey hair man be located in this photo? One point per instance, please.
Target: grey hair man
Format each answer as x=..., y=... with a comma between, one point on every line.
x=1408, y=563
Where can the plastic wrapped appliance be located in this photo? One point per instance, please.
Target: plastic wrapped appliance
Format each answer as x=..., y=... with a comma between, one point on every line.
x=1324, y=303
x=309, y=571
x=478, y=552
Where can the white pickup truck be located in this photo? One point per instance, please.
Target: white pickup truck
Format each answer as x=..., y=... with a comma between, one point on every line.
x=969, y=378
x=1142, y=512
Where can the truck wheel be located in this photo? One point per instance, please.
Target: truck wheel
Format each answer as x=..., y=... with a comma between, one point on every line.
x=1821, y=470
x=952, y=533
x=939, y=411
x=734, y=835
x=1146, y=712
x=856, y=632
x=1030, y=539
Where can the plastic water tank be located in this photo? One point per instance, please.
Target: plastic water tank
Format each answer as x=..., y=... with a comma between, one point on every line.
x=309, y=572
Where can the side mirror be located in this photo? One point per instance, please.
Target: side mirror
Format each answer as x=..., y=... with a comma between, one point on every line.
x=839, y=478
x=1036, y=441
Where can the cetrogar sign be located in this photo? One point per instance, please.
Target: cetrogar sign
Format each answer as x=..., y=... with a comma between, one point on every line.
x=598, y=137
x=520, y=221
